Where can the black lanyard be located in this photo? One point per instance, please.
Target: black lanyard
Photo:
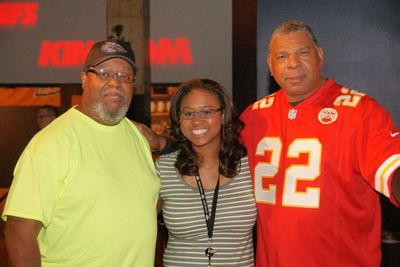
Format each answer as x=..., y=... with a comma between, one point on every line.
x=209, y=220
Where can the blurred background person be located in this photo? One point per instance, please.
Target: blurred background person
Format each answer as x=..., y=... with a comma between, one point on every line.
x=45, y=115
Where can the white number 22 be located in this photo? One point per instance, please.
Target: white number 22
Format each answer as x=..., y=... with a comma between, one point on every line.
x=293, y=174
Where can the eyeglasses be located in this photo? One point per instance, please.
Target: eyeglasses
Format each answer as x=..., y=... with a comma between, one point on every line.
x=204, y=114
x=108, y=76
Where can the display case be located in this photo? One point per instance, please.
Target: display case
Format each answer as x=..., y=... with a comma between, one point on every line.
x=160, y=103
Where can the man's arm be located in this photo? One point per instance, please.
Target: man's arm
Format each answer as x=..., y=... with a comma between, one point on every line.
x=158, y=143
x=396, y=185
x=21, y=242
x=159, y=205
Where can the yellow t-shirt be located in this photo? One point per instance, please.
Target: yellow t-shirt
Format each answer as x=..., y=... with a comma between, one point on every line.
x=94, y=188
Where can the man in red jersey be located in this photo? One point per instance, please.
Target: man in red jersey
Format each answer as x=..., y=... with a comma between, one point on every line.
x=319, y=153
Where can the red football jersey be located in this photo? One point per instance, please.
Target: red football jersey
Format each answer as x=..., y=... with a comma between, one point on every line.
x=315, y=167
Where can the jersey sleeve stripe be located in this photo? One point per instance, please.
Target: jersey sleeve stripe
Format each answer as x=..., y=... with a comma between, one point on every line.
x=384, y=172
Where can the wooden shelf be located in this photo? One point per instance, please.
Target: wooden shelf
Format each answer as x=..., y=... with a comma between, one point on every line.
x=160, y=96
x=161, y=114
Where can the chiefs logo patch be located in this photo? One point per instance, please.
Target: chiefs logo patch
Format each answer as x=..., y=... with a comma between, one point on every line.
x=327, y=115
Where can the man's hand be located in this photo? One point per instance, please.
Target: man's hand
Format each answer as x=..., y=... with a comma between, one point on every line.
x=156, y=142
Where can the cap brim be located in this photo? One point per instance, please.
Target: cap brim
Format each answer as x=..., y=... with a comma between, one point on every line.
x=133, y=65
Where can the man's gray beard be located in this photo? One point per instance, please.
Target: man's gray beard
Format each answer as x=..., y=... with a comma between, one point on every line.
x=109, y=118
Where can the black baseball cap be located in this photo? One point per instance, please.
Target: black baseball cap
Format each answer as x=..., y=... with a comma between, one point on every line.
x=107, y=49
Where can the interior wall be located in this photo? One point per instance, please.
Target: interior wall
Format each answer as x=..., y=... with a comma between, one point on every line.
x=360, y=39
x=56, y=29
x=207, y=26
x=244, y=61
x=133, y=16
x=18, y=126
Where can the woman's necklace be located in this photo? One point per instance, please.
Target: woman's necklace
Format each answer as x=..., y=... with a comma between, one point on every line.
x=210, y=164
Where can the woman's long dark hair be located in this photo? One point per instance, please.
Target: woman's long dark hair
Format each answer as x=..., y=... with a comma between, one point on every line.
x=231, y=150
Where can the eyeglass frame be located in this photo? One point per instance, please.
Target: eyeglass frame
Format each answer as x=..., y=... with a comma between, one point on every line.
x=111, y=76
x=201, y=113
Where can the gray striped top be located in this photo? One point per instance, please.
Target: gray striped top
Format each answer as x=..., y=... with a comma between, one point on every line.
x=184, y=217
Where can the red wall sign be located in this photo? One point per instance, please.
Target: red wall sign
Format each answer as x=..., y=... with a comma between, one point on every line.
x=72, y=53
x=14, y=14
x=63, y=53
x=46, y=42
x=169, y=52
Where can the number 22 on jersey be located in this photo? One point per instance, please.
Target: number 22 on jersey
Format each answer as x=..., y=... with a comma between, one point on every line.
x=291, y=196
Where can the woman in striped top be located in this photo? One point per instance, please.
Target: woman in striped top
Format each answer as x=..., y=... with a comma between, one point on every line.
x=206, y=191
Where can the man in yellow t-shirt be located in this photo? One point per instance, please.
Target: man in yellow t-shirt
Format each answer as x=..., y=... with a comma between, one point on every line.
x=85, y=189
